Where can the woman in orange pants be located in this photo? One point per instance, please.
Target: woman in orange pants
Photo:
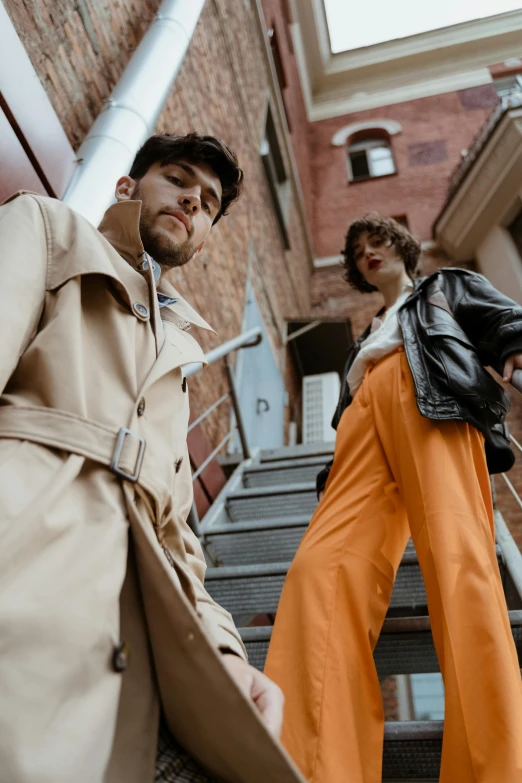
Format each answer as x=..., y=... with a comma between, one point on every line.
x=409, y=460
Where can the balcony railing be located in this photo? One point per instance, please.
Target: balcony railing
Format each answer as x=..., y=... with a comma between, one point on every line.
x=511, y=101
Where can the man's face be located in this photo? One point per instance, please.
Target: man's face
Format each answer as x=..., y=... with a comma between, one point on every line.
x=377, y=259
x=179, y=204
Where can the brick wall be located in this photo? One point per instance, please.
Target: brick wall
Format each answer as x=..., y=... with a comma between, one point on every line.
x=434, y=132
x=79, y=52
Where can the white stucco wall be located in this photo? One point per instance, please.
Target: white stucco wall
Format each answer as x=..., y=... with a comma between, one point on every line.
x=499, y=260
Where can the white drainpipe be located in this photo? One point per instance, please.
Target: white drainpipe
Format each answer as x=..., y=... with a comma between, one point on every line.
x=133, y=109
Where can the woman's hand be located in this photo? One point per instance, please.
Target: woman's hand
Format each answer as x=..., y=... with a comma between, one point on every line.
x=513, y=363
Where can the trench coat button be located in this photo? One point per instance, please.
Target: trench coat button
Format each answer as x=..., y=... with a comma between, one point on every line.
x=141, y=311
x=184, y=385
x=178, y=464
x=121, y=657
x=141, y=407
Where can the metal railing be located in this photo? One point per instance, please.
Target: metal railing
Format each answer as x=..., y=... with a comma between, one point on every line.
x=248, y=339
x=510, y=551
x=511, y=101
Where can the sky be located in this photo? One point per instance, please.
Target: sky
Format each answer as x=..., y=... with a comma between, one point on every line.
x=356, y=23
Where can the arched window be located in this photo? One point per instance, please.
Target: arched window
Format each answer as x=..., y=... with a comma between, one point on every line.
x=370, y=157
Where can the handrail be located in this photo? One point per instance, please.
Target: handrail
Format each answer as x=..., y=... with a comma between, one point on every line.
x=209, y=410
x=247, y=339
x=510, y=551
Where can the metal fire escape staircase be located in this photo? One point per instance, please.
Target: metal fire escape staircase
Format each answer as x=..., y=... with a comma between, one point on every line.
x=250, y=536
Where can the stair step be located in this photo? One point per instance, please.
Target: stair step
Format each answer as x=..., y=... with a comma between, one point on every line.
x=257, y=541
x=272, y=502
x=412, y=750
x=300, y=471
x=255, y=589
x=405, y=645
x=299, y=451
x=243, y=543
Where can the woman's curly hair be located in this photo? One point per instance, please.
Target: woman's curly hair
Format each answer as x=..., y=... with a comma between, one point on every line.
x=406, y=245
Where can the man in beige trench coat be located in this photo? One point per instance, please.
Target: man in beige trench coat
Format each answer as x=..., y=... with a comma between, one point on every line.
x=103, y=613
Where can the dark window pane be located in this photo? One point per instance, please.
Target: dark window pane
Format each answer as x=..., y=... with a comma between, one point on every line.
x=359, y=163
x=273, y=142
x=401, y=219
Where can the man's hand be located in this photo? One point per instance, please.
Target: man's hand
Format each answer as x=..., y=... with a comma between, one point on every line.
x=513, y=363
x=265, y=694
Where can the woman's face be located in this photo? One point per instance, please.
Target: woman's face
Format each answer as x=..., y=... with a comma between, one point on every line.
x=377, y=259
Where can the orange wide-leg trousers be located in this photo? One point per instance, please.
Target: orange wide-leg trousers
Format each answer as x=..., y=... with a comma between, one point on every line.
x=396, y=473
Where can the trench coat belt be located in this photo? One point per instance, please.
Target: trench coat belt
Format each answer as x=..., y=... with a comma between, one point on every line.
x=120, y=450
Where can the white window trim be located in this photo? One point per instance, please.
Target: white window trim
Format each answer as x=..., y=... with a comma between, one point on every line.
x=340, y=137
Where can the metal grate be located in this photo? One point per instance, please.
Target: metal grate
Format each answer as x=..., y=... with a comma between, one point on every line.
x=299, y=474
x=245, y=590
x=264, y=546
x=412, y=760
x=297, y=503
x=406, y=652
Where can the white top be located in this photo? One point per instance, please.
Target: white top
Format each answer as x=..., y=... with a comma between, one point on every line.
x=384, y=338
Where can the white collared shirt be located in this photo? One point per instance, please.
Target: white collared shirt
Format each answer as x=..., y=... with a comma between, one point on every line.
x=384, y=338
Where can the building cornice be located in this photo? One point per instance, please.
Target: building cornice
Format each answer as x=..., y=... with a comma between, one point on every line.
x=406, y=69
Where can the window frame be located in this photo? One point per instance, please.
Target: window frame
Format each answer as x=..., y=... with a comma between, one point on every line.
x=364, y=145
x=276, y=173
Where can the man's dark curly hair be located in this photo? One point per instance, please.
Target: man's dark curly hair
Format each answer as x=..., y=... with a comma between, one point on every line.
x=168, y=148
x=406, y=245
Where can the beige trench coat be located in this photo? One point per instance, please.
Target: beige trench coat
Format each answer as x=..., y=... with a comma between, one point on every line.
x=85, y=351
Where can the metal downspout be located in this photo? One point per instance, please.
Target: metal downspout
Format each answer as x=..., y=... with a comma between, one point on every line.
x=132, y=111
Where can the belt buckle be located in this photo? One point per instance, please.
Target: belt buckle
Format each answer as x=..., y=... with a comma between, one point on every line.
x=122, y=434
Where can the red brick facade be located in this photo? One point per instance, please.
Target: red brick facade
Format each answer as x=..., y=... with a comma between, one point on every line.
x=435, y=130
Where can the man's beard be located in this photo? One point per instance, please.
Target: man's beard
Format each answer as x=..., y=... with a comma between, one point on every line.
x=166, y=252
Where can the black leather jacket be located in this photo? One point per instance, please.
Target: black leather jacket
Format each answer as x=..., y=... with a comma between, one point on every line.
x=454, y=324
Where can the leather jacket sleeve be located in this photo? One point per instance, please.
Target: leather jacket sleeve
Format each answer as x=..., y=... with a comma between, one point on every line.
x=492, y=321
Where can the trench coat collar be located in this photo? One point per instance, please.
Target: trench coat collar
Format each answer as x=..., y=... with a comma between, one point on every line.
x=120, y=227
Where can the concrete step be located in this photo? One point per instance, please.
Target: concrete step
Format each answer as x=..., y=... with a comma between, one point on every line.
x=405, y=645
x=296, y=471
x=255, y=589
x=272, y=502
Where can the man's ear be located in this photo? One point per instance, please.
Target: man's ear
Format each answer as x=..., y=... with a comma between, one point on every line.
x=125, y=188
x=199, y=249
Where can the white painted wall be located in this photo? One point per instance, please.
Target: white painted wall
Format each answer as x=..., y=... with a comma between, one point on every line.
x=499, y=260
